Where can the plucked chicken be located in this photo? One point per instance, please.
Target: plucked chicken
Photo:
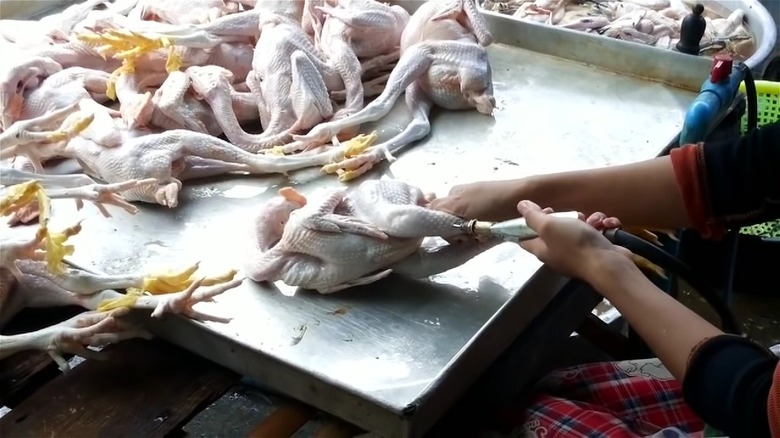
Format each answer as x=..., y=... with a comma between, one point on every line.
x=342, y=240
x=443, y=62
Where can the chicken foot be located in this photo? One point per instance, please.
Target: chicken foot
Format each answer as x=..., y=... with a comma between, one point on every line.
x=418, y=128
x=37, y=146
x=28, y=131
x=85, y=283
x=226, y=29
x=73, y=336
x=101, y=325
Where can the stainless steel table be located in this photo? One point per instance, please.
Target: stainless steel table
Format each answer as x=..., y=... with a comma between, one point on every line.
x=392, y=357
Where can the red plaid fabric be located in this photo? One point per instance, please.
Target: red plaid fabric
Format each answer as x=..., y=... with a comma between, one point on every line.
x=615, y=400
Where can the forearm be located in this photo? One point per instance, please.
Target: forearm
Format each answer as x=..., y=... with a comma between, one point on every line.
x=640, y=194
x=670, y=329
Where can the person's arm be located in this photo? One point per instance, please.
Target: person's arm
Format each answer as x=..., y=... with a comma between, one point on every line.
x=728, y=385
x=725, y=378
x=668, y=327
x=643, y=194
x=708, y=187
x=740, y=179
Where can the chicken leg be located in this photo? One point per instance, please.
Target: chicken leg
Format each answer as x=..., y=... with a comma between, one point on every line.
x=20, y=139
x=359, y=29
x=458, y=73
x=420, y=126
x=28, y=131
x=10, y=176
x=400, y=210
x=72, y=336
x=163, y=156
x=308, y=98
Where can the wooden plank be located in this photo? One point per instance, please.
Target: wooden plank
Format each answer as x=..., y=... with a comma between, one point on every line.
x=337, y=429
x=143, y=388
x=23, y=373
x=284, y=421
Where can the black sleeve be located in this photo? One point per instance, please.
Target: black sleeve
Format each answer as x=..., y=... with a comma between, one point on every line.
x=727, y=385
x=742, y=177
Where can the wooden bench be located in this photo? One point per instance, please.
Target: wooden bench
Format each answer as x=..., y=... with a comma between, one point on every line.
x=141, y=389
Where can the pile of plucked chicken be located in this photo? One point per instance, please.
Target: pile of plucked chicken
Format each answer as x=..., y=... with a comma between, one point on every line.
x=175, y=90
x=146, y=94
x=650, y=22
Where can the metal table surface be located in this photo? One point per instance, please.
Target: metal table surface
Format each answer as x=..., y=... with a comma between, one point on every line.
x=393, y=356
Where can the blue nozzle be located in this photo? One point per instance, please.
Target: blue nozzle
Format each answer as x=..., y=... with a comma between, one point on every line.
x=712, y=101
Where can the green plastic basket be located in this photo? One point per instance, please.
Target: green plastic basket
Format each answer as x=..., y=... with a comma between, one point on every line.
x=768, y=111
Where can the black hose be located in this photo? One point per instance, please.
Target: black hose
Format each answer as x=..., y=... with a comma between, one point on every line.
x=752, y=98
x=668, y=262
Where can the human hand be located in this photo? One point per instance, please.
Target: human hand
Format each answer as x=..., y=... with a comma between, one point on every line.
x=484, y=200
x=575, y=248
x=601, y=221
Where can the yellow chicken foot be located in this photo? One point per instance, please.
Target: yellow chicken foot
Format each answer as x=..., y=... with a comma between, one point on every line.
x=129, y=46
x=355, y=162
x=22, y=195
x=176, y=303
x=56, y=249
x=174, y=281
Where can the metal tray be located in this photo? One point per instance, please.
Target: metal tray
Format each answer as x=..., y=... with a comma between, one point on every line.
x=393, y=356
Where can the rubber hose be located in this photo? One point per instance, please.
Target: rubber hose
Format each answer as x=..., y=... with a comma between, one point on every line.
x=752, y=98
x=668, y=262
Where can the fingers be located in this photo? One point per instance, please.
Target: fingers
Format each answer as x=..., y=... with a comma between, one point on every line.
x=601, y=221
x=595, y=220
x=612, y=222
x=533, y=214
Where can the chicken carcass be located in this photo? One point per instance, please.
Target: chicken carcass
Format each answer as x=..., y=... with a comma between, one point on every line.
x=291, y=81
x=443, y=62
x=350, y=239
x=110, y=151
x=355, y=30
x=17, y=75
